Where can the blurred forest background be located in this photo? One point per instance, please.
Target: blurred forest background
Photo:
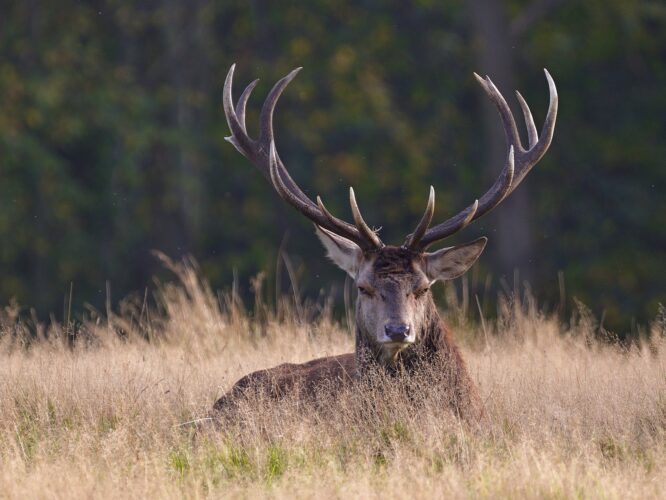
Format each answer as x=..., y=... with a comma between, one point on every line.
x=112, y=140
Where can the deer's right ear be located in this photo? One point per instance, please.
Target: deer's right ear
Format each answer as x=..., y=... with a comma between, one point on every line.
x=344, y=253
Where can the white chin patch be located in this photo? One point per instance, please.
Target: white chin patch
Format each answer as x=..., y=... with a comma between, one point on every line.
x=387, y=342
x=391, y=349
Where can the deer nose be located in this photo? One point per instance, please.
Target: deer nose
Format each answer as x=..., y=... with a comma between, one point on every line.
x=397, y=332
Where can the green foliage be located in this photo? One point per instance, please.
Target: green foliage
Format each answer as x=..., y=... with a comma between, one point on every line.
x=229, y=461
x=112, y=139
x=276, y=462
x=180, y=462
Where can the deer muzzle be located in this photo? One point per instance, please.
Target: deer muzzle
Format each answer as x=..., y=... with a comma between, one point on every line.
x=397, y=332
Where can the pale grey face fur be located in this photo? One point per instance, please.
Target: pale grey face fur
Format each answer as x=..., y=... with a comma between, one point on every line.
x=394, y=286
x=391, y=304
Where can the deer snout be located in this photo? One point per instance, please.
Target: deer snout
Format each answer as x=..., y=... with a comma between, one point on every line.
x=397, y=332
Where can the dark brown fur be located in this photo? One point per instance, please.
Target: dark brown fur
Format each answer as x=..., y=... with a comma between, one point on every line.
x=335, y=372
x=434, y=347
x=394, y=261
x=331, y=371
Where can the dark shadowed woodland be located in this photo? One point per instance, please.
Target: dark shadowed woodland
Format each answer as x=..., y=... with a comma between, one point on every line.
x=112, y=144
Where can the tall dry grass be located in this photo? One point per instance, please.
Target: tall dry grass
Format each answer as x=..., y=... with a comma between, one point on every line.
x=568, y=415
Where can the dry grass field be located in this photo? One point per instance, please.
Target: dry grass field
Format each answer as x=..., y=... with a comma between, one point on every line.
x=567, y=415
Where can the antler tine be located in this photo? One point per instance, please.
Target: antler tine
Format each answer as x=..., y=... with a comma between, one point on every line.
x=263, y=154
x=242, y=103
x=342, y=225
x=532, y=134
x=538, y=145
x=266, y=117
x=238, y=137
x=255, y=151
x=413, y=239
x=519, y=160
x=362, y=227
x=509, y=123
x=536, y=152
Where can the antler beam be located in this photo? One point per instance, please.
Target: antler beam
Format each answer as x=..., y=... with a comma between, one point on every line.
x=519, y=162
x=262, y=153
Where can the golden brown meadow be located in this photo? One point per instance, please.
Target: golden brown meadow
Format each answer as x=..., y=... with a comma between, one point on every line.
x=567, y=415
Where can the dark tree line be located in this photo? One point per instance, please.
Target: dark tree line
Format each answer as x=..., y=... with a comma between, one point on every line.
x=112, y=139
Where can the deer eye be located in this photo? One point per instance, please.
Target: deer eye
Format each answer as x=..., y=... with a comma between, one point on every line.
x=420, y=292
x=364, y=290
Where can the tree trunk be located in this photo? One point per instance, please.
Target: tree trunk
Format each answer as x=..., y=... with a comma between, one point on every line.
x=513, y=245
x=186, y=35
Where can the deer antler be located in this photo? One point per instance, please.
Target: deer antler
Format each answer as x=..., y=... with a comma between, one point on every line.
x=262, y=153
x=518, y=163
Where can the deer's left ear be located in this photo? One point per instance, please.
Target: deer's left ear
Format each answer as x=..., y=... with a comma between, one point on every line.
x=449, y=263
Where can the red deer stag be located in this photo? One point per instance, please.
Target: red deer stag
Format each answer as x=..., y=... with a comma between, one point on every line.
x=397, y=322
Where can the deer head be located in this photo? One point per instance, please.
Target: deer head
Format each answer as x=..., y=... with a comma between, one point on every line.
x=394, y=304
